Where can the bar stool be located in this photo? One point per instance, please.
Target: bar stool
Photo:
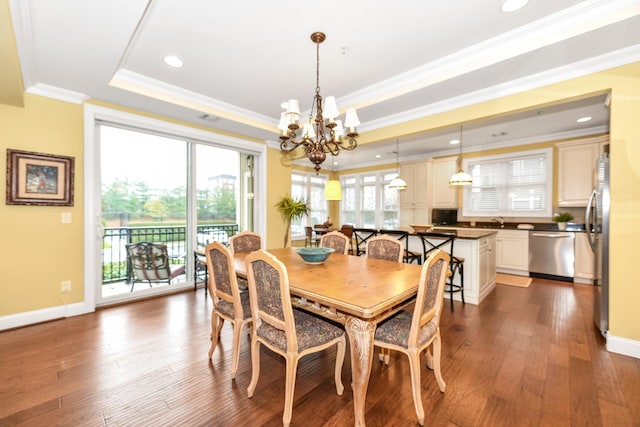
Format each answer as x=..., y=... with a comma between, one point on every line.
x=432, y=241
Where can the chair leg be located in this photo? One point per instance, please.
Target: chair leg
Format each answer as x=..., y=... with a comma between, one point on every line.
x=289, y=389
x=342, y=348
x=255, y=366
x=237, y=331
x=461, y=273
x=216, y=327
x=437, y=354
x=414, y=364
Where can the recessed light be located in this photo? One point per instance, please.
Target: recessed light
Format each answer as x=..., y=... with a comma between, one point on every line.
x=173, y=61
x=454, y=141
x=583, y=119
x=513, y=5
x=378, y=156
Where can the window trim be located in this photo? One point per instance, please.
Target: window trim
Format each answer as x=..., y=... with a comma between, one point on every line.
x=548, y=185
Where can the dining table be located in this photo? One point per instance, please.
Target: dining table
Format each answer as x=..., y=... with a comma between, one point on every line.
x=357, y=292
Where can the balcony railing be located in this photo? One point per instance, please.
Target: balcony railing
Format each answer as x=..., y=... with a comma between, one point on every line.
x=114, y=252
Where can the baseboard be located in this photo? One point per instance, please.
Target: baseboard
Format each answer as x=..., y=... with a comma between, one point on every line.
x=623, y=346
x=44, y=315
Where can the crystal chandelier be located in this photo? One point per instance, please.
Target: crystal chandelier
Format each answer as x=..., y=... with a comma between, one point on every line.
x=323, y=133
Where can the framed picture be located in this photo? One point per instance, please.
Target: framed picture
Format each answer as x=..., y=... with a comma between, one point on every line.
x=39, y=179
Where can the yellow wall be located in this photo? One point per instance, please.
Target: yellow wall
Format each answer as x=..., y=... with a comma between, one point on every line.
x=38, y=251
x=56, y=127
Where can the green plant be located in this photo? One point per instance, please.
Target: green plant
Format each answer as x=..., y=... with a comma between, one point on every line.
x=562, y=217
x=292, y=209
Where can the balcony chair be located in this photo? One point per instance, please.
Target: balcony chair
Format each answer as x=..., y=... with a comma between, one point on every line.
x=149, y=262
x=432, y=241
x=361, y=236
x=386, y=248
x=229, y=303
x=283, y=330
x=337, y=241
x=414, y=332
x=403, y=236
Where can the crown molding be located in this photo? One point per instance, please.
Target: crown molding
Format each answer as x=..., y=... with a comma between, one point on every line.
x=579, y=19
x=578, y=69
x=157, y=89
x=58, y=93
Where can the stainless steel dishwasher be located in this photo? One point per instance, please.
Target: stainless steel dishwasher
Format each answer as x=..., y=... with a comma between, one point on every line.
x=551, y=253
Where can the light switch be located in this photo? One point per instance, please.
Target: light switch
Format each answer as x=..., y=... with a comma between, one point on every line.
x=66, y=217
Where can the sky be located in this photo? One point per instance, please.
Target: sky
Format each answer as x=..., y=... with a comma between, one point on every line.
x=159, y=161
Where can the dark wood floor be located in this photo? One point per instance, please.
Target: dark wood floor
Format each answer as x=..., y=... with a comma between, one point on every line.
x=525, y=357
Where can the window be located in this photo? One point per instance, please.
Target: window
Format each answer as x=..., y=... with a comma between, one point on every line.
x=368, y=202
x=310, y=187
x=512, y=185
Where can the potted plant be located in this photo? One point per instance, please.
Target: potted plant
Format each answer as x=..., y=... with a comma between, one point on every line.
x=562, y=219
x=292, y=209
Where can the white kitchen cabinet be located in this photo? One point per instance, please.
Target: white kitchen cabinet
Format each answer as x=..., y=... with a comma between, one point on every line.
x=413, y=200
x=487, y=252
x=512, y=247
x=584, y=267
x=576, y=169
x=442, y=194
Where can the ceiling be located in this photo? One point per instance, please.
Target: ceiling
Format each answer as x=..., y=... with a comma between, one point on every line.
x=393, y=61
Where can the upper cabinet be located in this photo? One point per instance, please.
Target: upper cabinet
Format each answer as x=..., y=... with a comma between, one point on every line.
x=442, y=194
x=413, y=200
x=576, y=169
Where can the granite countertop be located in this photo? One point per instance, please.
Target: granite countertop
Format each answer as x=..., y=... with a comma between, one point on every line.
x=468, y=233
x=513, y=226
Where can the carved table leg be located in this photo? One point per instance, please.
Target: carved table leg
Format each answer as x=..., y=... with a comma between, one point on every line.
x=361, y=333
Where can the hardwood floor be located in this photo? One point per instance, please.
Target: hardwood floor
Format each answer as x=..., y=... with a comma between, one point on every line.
x=525, y=357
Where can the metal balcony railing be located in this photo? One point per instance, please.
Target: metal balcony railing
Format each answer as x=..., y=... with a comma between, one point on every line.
x=114, y=253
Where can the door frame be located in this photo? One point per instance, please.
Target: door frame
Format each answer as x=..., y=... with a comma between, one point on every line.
x=93, y=231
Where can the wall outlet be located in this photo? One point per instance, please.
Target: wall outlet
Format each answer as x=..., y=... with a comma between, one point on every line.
x=65, y=286
x=65, y=217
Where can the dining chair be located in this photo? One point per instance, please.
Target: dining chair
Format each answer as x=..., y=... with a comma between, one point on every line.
x=150, y=262
x=335, y=240
x=283, y=330
x=432, y=241
x=245, y=242
x=403, y=236
x=347, y=230
x=414, y=332
x=361, y=235
x=309, y=238
x=229, y=303
x=385, y=247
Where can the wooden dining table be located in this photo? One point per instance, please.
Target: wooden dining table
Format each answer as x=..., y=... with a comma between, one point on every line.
x=355, y=291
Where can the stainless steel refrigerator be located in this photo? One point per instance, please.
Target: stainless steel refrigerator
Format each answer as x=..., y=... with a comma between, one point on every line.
x=597, y=227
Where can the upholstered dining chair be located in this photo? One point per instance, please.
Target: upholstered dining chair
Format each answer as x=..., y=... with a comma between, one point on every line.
x=414, y=332
x=283, y=330
x=432, y=241
x=150, y=262
x=403, y=236
x=347, y=230
x=337, y=241
x=242, y=243
x=229, y=303
x=245, y=242
x=385, y=247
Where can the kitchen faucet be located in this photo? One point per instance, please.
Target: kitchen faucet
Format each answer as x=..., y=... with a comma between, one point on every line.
x=499, y=220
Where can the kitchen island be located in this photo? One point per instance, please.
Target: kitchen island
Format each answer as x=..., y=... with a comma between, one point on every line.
x=478, y=248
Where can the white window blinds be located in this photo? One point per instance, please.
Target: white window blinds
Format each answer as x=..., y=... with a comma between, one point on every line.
x=510, y=185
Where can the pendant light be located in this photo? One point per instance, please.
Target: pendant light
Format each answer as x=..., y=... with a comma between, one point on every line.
x=460, y=177
x=398, y=183
x=332, y=189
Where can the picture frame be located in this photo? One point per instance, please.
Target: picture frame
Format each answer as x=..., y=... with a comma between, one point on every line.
x=39, y=179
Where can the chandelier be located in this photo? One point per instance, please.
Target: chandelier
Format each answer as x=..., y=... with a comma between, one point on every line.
x=322, y=133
